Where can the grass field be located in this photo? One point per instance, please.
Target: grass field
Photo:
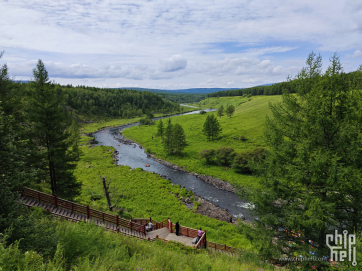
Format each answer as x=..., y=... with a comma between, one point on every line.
x=248, y=121
x=99, y=124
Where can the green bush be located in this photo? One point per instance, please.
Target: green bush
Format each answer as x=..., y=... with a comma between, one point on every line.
x=202, y=112
x=225, y=155
x=145, y=121
x=208, y=155
x=242, y=160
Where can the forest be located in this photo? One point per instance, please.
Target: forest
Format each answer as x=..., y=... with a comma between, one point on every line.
x=278, y=88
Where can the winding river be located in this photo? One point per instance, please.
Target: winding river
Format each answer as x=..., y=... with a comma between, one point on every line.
x=134, y=156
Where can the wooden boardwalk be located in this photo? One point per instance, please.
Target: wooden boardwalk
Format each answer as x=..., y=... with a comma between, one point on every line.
x=77, y=217
x=135, y=227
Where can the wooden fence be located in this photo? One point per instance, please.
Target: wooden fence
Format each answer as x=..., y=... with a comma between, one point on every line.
x=221, y=247
x=74, y=207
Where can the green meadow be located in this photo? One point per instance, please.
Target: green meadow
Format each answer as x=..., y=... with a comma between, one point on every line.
x=99, y=124
x=247, y=121
x=143, y=194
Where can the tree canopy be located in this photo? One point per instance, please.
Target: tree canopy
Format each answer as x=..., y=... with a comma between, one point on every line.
x=211, y=128
x=311, y=179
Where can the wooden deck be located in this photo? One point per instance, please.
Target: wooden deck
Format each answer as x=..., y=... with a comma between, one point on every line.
x=166, y=235
x=77, y=217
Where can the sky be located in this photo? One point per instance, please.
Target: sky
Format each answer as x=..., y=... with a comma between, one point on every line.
x=176, y=44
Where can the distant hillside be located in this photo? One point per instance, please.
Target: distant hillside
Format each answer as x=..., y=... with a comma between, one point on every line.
x=183, y=91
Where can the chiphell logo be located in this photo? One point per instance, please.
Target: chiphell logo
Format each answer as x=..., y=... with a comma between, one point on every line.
x=342, y=246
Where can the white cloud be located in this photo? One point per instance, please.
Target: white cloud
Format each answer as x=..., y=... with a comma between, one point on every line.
x=357, y=53
x=174, y=63
x=129, y=40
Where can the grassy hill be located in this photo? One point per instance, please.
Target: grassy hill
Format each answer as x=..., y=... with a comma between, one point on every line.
x=248, y=121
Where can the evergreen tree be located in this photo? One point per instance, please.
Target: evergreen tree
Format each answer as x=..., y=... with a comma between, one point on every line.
x=230, y=110
x=220, y=111
x=212, y=128
x=14, y=174
x=207, y=128
x=50, y=135
x=168, y=141
x=160, y=129
x=179, y=138
x=311, y=180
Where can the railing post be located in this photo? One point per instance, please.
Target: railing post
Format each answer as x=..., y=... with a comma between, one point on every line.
x=205, y=240
x=117, y=219
x=39, y=196
x=103, y=216
x=56, y=200
x=88, y=213
x=131, y=224
x=225, y=247
x=187, y=232
x=72, y=207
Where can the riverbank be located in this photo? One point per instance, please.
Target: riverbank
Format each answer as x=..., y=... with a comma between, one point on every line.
x=215, y=182
x=139, y=193
x=203, y=206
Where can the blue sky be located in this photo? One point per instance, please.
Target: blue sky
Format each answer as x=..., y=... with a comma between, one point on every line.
x=176, y=44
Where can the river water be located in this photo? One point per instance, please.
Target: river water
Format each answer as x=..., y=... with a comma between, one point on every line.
x=135, y=157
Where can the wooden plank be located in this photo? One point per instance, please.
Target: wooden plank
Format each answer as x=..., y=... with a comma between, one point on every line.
x=61, y=211
x=67, y=213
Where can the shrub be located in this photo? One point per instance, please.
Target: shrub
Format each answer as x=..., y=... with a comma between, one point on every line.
x=225, y=155
x=208, y=155
x=242, y=160
x=202, y=112
x=146, y=121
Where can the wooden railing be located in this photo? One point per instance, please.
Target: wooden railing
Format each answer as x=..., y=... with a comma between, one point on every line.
x=137, y=224
x=145, y=221
x=74, y=207
x=189, y=232
x=202, y=241
x=221, y=247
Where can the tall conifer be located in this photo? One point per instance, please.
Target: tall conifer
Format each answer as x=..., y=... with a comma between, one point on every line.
x=50, y=134
x=311, y=180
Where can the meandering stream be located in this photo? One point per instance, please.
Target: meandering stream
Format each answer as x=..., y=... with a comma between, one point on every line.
x=135, y=157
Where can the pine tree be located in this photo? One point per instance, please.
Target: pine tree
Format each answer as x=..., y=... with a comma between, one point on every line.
x=179, y=138
x=311, y=179
x=230, y=110
x=50, y=134
x=168, y=141
x=207, y=130
x=160, y=129
x=212, y=128
x=14, y=173
x=220, y=111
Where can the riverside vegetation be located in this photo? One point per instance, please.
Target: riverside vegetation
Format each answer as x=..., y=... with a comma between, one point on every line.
x=243, y=131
